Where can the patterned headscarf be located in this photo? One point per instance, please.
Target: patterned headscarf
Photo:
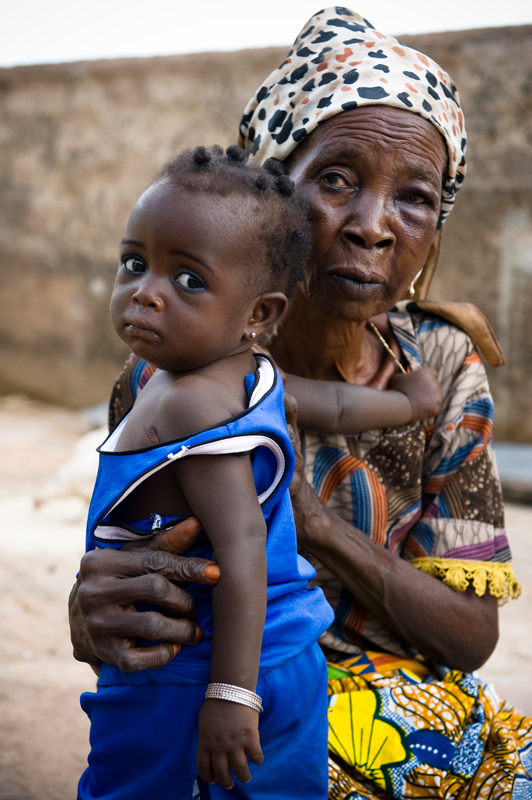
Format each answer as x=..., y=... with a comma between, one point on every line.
x=338, y=62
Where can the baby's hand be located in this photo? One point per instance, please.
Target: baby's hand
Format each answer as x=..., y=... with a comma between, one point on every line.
x=227, y=733
x=422, y=389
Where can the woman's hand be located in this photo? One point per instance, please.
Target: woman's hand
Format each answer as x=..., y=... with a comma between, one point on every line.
x=302, y=494
x=104, y=623
x=290, y=410
x=228, y=732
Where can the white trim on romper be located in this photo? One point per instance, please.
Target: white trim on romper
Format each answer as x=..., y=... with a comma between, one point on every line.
x=230, y=445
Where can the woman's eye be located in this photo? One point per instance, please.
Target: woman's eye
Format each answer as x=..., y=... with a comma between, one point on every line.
x=133, y=264
x=189, y=281
x=418, y=198
x=415, y=198
x=335, y=180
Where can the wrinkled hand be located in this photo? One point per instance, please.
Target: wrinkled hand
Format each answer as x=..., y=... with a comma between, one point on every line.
x=299, y=478
x=423, y=389
x=228, y=732
x=103, y=620
x=301, y=492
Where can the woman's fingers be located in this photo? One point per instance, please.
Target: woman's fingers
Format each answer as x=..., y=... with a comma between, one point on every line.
x=113, y=629
x=82, y=643
x=152, y=588
x=176, y=540
x=121, y=580
x=126, y=563
x=103, y=621
x=298, y=479
x=290, y=409
x=131, y=624
x=156, y=627
x=113, y=632
x=133, y=659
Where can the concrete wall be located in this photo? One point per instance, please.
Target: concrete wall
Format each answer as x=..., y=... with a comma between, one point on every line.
x=487, y=245
x=79, y=142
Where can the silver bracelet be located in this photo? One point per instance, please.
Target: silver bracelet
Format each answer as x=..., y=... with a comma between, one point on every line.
x=235, y=694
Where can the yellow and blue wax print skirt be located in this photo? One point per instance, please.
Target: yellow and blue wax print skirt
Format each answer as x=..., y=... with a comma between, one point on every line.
x=395, y=730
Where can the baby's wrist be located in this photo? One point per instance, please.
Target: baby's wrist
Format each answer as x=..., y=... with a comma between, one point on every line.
x=234, y=694
x=412, y=408
x=409, y=406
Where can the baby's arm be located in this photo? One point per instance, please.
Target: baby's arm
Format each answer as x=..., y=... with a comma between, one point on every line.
x=335, y=407
x=221, y=493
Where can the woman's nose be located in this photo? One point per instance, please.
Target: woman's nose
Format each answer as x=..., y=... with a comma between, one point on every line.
x=368, y=224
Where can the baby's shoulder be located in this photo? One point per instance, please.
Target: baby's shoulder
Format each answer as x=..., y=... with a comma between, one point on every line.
x=194, y=403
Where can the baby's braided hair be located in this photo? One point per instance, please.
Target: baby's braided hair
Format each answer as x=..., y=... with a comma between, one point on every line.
x=268, y=197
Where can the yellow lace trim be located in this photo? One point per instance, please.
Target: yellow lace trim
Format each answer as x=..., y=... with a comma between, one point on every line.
x=459, y=574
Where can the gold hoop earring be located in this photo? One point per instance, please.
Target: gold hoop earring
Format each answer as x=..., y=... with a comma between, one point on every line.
x=412, y=289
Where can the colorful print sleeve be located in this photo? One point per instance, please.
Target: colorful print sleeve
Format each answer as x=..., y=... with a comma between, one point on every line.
x=133, y=376
x=460, y=534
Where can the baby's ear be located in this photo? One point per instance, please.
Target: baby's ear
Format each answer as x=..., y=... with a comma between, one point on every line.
x=268, y=308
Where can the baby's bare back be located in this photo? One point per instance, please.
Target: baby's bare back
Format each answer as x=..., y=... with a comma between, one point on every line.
x=173, y=407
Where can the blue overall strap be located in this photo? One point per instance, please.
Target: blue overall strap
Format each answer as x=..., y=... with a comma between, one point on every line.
x=262, y=425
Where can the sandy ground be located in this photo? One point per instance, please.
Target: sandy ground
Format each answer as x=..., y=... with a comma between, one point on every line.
x=43, y=732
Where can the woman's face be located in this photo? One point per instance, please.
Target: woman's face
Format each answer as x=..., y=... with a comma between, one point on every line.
x=372, y=177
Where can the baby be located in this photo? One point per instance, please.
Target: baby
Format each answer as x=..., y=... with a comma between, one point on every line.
x=213, y=249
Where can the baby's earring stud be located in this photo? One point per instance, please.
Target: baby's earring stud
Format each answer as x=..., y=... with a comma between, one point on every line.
x=253, y=334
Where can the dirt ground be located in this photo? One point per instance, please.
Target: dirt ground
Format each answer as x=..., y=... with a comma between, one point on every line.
x=43, y=732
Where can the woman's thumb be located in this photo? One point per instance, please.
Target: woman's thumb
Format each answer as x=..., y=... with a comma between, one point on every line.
x=178, y=539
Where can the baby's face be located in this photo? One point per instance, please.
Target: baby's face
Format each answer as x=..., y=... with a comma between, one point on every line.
x=183, y=294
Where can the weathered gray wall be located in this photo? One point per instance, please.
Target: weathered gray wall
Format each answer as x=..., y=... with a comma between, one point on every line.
x=487, y=245
x=78, y=142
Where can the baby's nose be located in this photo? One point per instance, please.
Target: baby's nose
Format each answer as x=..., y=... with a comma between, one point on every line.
x=147, y=294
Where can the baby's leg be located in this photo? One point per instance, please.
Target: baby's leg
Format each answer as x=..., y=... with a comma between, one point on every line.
x=293, y=734
x=144, y=737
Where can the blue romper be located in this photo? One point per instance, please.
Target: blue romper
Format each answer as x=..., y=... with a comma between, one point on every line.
x=144, y=725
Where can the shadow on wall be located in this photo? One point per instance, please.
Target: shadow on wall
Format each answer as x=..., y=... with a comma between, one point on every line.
x=81, y=141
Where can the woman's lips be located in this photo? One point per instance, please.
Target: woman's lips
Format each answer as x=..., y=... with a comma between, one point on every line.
x=134, y=329
x=356, y=285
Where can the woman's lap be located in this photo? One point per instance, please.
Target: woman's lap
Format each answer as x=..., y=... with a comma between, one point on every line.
x=395, y=733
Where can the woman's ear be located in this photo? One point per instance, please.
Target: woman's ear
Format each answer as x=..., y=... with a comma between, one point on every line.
x=267, y=309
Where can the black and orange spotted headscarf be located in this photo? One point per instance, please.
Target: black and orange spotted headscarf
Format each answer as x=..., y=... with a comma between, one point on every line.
x=338, y=62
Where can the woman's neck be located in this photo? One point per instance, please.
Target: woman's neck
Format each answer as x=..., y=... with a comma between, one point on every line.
x=309, y=344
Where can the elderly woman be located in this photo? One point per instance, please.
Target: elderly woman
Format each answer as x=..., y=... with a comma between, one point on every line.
x=404, y=526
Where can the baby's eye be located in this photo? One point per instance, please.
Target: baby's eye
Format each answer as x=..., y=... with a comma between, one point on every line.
x=335, y=180
x=189, y=281
x=133, y=264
